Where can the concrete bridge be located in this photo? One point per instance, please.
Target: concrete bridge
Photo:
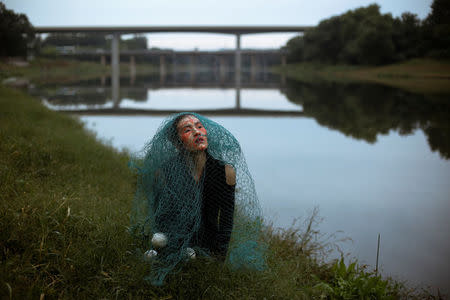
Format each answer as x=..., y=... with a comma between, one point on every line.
x=242, y=112
x=220, y=59
x=119, y=30
x=153, y=29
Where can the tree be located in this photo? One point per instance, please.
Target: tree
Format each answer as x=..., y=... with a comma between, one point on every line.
x=407, y=36
x=295, y=49
x=436, y=29
x=135, y=43
x=16, y=32
x=360, y=36
x=374, y=40
x=82, y=39
x=440, y=13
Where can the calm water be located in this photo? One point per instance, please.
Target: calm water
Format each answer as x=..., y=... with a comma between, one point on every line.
x=372, y=159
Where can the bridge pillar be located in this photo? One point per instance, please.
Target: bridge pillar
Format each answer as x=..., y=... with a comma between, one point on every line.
x=115, y=66
x=253, y=66
x=192, y=68
x=238, y=71
x=264, y=67
x=162, y=69
x=174, y=67
x=162, y=65
x=132, y=66
x=215, y=64
x=283, y=60
x=238, y=59
x=222, y=68
x=238, y=97
x=103, y=60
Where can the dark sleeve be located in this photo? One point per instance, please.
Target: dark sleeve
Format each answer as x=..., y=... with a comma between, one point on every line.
x=225, y=219
x=161, y=212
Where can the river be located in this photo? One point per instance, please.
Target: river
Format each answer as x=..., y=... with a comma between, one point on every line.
x=373, y=159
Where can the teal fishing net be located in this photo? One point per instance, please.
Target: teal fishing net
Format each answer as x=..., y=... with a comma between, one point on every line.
x=195, y=197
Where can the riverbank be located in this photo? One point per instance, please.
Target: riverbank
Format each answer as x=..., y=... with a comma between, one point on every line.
x=423, y=76
x=44, y=70
x=64, y=212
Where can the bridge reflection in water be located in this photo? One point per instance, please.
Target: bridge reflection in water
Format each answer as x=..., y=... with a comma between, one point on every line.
x=113, y=97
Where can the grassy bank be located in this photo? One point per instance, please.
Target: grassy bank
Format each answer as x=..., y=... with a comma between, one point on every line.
x=420, y=75
x=64, y=212
x=44, y=70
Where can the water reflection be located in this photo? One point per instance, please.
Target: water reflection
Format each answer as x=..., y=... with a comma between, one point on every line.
x=137, y=96
x=360, y=111
x=364, y=111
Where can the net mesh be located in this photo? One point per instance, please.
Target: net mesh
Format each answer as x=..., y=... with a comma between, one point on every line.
x=195, y=196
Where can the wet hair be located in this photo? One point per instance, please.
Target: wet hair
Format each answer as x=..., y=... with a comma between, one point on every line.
x=173, y=130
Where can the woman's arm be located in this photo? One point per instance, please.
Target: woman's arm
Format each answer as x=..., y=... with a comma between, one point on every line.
x=226, y=210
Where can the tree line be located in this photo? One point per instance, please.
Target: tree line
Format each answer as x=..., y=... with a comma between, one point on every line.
x=364, y=36
x=16, y=33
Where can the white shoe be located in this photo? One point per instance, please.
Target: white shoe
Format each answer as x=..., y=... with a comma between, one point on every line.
x=159, y=240
x=190, y=253
x=150, y=254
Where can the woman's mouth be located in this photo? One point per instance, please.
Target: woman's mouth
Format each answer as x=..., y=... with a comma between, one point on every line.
x=199, y=140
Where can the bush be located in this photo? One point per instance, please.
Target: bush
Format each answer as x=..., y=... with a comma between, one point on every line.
x=16, y=33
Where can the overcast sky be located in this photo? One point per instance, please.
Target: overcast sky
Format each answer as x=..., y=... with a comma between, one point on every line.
x=201, y=12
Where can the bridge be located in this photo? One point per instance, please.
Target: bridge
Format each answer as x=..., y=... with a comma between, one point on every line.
x=207, y=112
x=159, y=29
x=117, y=31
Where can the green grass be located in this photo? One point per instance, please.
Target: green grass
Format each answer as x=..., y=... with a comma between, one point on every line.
x=44, y=70
x=64, y=212
x=425, y=76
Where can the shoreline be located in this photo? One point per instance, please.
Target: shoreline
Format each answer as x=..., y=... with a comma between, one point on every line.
x=44, y=70
x=423, y=76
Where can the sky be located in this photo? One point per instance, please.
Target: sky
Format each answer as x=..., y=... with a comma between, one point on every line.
x=202, y=12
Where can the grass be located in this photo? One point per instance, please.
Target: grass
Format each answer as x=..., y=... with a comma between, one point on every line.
x=64, y=212
x=44, y=70
x=424, y=76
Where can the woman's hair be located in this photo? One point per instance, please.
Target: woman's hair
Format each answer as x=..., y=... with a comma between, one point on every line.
x=172, y=133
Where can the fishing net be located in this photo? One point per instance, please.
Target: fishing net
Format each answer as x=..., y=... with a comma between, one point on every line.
x=195, y=196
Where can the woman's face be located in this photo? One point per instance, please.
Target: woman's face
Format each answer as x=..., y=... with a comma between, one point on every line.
x=192, y=133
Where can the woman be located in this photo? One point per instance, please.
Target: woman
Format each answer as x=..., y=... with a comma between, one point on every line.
x=195, y=194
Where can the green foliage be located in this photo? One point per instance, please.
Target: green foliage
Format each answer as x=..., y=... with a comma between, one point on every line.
x=295, y=47
x=49, y=71
x=15, y=32
x=436, y=30
x=407, y=37
x=353, y=282
x=81, y=39
x=89, y=40
x=135, y=43
x=364, y=36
